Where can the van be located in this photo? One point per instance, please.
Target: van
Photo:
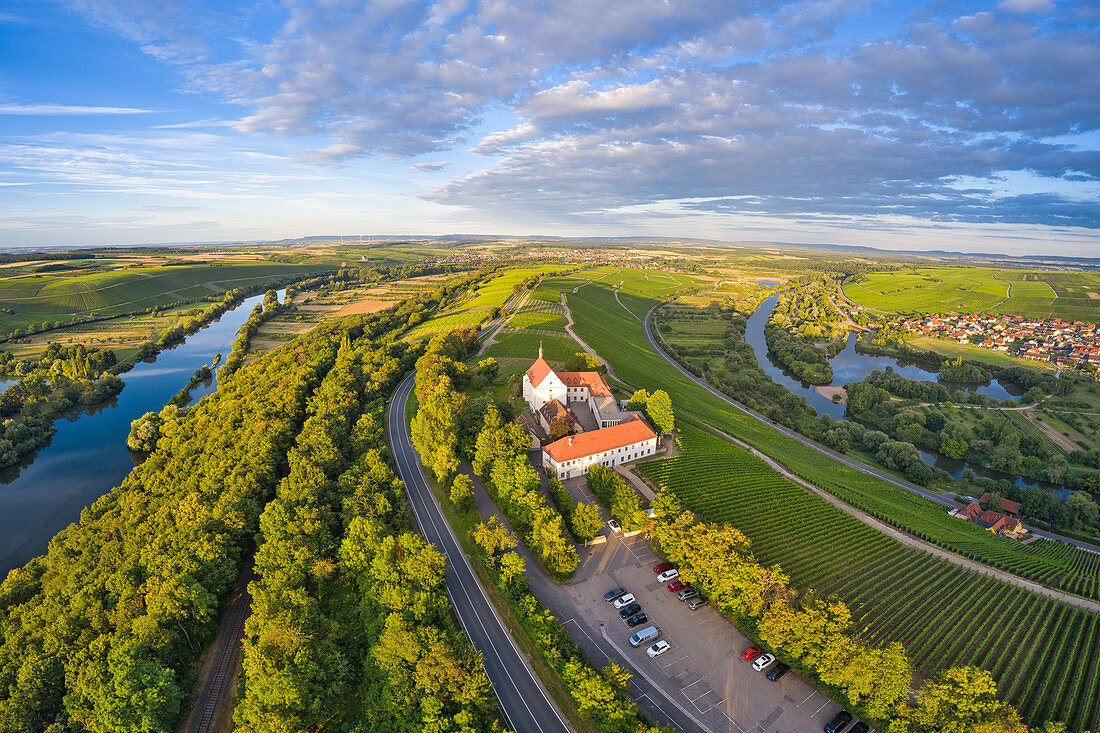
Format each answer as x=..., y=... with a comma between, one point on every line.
x=646, y=635
x=668, y=575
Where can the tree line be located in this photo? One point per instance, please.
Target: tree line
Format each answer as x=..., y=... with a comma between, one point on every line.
x=351, y=626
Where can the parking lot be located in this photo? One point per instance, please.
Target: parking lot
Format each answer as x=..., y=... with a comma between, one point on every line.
x=702, y=676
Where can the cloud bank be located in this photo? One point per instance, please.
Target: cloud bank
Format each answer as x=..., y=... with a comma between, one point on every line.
x=824, y=110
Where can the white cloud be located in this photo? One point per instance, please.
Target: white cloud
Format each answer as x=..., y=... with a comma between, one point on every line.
x=67, y=109
x=1026, y=7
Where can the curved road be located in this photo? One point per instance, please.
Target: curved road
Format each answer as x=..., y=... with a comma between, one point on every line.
x=946, y=501
x=525, y=703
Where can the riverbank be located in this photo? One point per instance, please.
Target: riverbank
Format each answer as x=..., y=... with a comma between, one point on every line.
x=87, y=455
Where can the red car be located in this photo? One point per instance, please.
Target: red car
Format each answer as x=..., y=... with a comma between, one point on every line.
x=751, y=653
x=662, y=567
x=676, y=585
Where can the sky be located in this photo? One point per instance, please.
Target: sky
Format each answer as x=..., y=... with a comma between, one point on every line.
x=924, y=125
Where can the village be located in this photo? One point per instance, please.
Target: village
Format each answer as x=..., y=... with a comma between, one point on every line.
x=1070, y=344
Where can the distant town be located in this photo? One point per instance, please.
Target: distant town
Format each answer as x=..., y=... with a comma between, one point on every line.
x=1070, y=344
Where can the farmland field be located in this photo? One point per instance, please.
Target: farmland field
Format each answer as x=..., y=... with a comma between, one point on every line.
x=975, y=353
x=475, y=311
x=56, y=296
x=943, y=614
x=1033, y=294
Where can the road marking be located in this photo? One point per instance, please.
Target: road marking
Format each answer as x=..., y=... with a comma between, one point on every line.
x=807, y=699
x=642, y=673
x=693, y=683
x=416, y=491
x=822, y=707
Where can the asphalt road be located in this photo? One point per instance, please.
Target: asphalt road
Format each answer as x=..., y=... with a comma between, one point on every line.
x=945, y=500
x=526, y=705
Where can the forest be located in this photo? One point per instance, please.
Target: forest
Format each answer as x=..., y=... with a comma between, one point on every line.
x=124, y=601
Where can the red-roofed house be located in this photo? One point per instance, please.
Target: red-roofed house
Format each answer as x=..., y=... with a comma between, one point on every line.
x=971, y=511
x=572, y=456
x=541, y=384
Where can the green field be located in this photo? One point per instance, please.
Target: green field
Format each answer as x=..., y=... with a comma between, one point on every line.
x=1044, y=654
x=539, y=315
x=515, y=350
x=617, y=336
x=59, y=297
x=1029, y=293
x=975, y=353
x=473, y=312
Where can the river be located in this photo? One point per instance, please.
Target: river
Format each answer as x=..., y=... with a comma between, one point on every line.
x=850, y=366
x=87, y=456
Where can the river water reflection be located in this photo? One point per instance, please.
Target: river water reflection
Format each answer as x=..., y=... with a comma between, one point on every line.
x=850, y=366
x=87, y=456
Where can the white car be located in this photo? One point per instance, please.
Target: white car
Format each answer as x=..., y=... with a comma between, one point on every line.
x=614, y=526
x=763, y=661
x=668, y=575
x=658, y=649
x=624, y=600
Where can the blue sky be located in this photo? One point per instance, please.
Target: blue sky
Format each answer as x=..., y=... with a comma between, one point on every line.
x=960, y=126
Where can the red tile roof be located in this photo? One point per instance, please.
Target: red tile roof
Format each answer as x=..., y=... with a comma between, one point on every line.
x=595, y=382
x=538, y=371
x=971, y=511
x=628, y=432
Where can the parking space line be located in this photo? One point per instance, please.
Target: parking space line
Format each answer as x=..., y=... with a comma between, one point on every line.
x=821, y=708
x=687, y=686
x=807, y=699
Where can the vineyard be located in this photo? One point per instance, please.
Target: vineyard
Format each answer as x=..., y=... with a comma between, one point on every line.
x=539, y=315
x=1044, y=654
x=617, y=337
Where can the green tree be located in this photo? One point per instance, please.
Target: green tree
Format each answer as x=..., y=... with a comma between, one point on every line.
x=140, y=696
x=959, y=701
x=1081, y=510
x=462, y=492
x=638, y=400
x=876, y=678
x=435, y=428
x=493, y=537
x=488, y=369
x=954, y=448
x=659, y=410
x=587, y=521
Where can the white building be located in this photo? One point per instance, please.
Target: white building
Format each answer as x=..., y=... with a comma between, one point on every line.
x=541, y=384
x=625, y=441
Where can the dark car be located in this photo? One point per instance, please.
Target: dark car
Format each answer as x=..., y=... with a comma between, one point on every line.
x=662, y=567
x=777, y=671
x=751, y=653
x=638, y=618
x=676, y=585
x=630, y=610
x=613, y=594
x=838, y=722
x=860, y=727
